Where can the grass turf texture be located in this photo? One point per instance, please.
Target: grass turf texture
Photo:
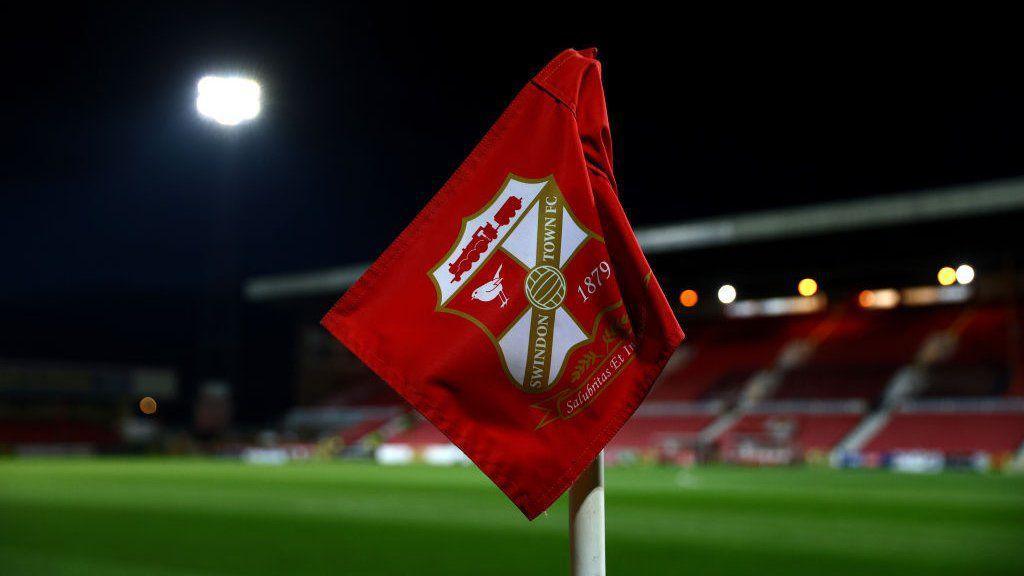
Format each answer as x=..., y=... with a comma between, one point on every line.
x=167, y=517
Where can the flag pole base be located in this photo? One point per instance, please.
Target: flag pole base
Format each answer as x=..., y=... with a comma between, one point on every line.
x=586, y=521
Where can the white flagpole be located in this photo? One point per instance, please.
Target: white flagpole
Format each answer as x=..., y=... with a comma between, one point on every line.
x=586, y=521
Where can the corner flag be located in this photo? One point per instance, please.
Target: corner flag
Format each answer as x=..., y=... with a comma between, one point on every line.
x=517, y=312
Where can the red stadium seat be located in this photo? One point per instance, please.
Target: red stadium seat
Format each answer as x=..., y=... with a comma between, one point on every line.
x=951, y=433
x=651, y=431
x=724, y=355
x=862, y=351
x=356, y=432
x=982, y=363
x=56, y=432
x=422, y=433
x=810, y=431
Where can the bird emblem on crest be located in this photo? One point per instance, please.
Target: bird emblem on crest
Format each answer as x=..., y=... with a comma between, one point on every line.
x=488, y=291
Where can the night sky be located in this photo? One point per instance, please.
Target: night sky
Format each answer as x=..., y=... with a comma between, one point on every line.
x=113, y=190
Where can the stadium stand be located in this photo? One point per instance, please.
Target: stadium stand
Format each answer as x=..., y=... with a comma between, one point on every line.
x=363, y=390
x=339, y=397
x=356, y=432
x=57, y=432
x=864, y=382
x=862, y=351
x=809, y=430
x=981, y=363
x=764, y=390
x=54, y=407
x=812, y=405
x=725, y=354
x=656, y=425
x=953, y=427
x=645, y=432
x=421, y=433
x=346, y=424
x=950, y=380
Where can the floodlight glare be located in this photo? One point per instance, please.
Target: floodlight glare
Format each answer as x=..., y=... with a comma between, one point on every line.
x=965, y=274
x=727, y=294
x=228, y=100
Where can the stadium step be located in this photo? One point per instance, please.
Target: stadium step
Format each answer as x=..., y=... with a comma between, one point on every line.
x=864, y=431
x=759, y=387
x=714, y=430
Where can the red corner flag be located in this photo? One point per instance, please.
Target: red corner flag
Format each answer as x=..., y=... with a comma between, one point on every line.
x=517, y=312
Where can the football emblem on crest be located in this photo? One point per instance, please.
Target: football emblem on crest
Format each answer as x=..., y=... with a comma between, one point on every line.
x=536, y=281
x=545, y=287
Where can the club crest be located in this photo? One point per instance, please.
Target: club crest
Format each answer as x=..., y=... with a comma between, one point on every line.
x=535, y=280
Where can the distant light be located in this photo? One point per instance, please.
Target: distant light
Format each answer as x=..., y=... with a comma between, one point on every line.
x=965, y=274
x=882, y=298
x=947, y=276
x=228, y=100
x=931, y=295
x=688, y=298
x=147, y=405
x=727, y=294
x=807, y=287
x=776, y=306
x=866, y=298
x=887, y=298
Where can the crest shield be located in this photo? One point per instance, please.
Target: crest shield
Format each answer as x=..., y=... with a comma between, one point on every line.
x=514, y=273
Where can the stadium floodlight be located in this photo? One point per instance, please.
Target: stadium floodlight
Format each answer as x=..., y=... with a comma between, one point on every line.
x=228, y=100
x=947, y=276
x=807, y=287
x=965, y=274
x=727, y=294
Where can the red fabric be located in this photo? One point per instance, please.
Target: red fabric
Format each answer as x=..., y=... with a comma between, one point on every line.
x=471, y=312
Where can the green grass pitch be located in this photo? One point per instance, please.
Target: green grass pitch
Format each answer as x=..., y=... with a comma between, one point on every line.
x=167, y=517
